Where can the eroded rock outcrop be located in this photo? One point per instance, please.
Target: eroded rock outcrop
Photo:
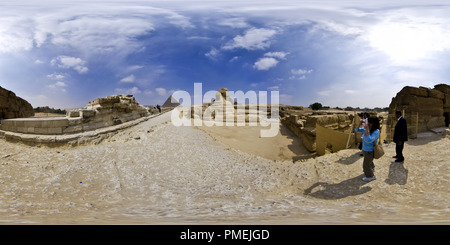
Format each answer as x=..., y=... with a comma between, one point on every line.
x=12, y=106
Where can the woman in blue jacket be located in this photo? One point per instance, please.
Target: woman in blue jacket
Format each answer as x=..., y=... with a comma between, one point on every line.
x=370, y=136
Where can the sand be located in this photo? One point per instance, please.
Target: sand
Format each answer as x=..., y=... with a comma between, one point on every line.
x=156, y=173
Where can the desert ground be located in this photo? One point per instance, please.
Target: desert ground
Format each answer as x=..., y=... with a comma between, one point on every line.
x=156, y=173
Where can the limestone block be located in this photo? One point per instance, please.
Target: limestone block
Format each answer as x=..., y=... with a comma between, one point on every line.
x=309, y=142
x=59, y=123
x=422, y=92
x=447, y=101
x=87, y=113
x=447, y=133
x=21, y=130
x=443, y=88
x=41, y=130
x=73, y=113
x=32, y=123
x=12, y=106
x=435, y=122
x=55, y=130
x=75, y=121
x=6, y=127
x=434, y=93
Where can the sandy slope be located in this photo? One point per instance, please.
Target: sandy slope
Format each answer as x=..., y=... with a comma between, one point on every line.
x=155, y=173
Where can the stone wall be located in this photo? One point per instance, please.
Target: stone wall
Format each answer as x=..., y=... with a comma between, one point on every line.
x=424, y=108
x=100, y=113
x=12, y=106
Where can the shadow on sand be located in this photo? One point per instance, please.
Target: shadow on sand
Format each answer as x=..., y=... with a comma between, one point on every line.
x=398, y=174
x=424, y=138
x=350, y=159
x=296, y=146
x=351, y=187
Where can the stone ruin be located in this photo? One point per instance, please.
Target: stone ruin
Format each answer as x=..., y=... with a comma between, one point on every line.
x=303, y=123
x=100, y=113
x=423, y=108
x=225, y=109
x=12, y=106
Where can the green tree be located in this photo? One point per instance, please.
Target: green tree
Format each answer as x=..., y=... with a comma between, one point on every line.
x=316, y=106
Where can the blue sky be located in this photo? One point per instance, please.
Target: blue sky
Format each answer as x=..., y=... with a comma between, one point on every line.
x=340, y=53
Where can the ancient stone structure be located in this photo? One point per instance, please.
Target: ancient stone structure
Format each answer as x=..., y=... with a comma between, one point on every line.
x=224, y=110
x=100, y=113
x=423, y=108
x=303, y=124
x=171, y=102
x=12, y=106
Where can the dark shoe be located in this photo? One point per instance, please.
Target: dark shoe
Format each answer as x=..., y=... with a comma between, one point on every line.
x=400, y=160
x=395, y=157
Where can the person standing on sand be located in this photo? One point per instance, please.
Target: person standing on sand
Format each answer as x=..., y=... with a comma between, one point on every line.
x=370, y=136
x=400, y=136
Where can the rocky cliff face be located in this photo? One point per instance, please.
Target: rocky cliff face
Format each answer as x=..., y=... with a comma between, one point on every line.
x=12, y=106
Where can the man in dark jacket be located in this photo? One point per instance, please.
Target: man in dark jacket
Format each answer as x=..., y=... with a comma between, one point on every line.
x=400, y=136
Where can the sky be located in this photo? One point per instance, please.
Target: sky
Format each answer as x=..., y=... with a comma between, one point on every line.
x=64, y=54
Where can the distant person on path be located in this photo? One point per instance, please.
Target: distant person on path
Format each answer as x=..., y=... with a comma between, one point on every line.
x=370, y=136
x=159, y=108
x=400, y=136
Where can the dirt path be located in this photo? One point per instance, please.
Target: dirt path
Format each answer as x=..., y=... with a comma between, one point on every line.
x=156, y=173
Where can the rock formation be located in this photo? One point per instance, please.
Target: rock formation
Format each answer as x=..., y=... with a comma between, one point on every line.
x=423, y=108
x=12, y=106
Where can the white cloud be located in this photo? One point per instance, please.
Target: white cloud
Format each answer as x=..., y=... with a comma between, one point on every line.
x=253, y=39
x=234, y=22
x=299, y=74
x=324, y=93
x=234, y=59
x=58, y=85
x=132, y=91
x=161, y=91
x=68, y=62
x=133, y=68
x=128, y=79
x=279, y=55
x=55, y=76
x=15, y=34
x=213, y=53
x=297, y=77
x=265, y=63
x=89, y=27
x=276, y=88
x=301, y=71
